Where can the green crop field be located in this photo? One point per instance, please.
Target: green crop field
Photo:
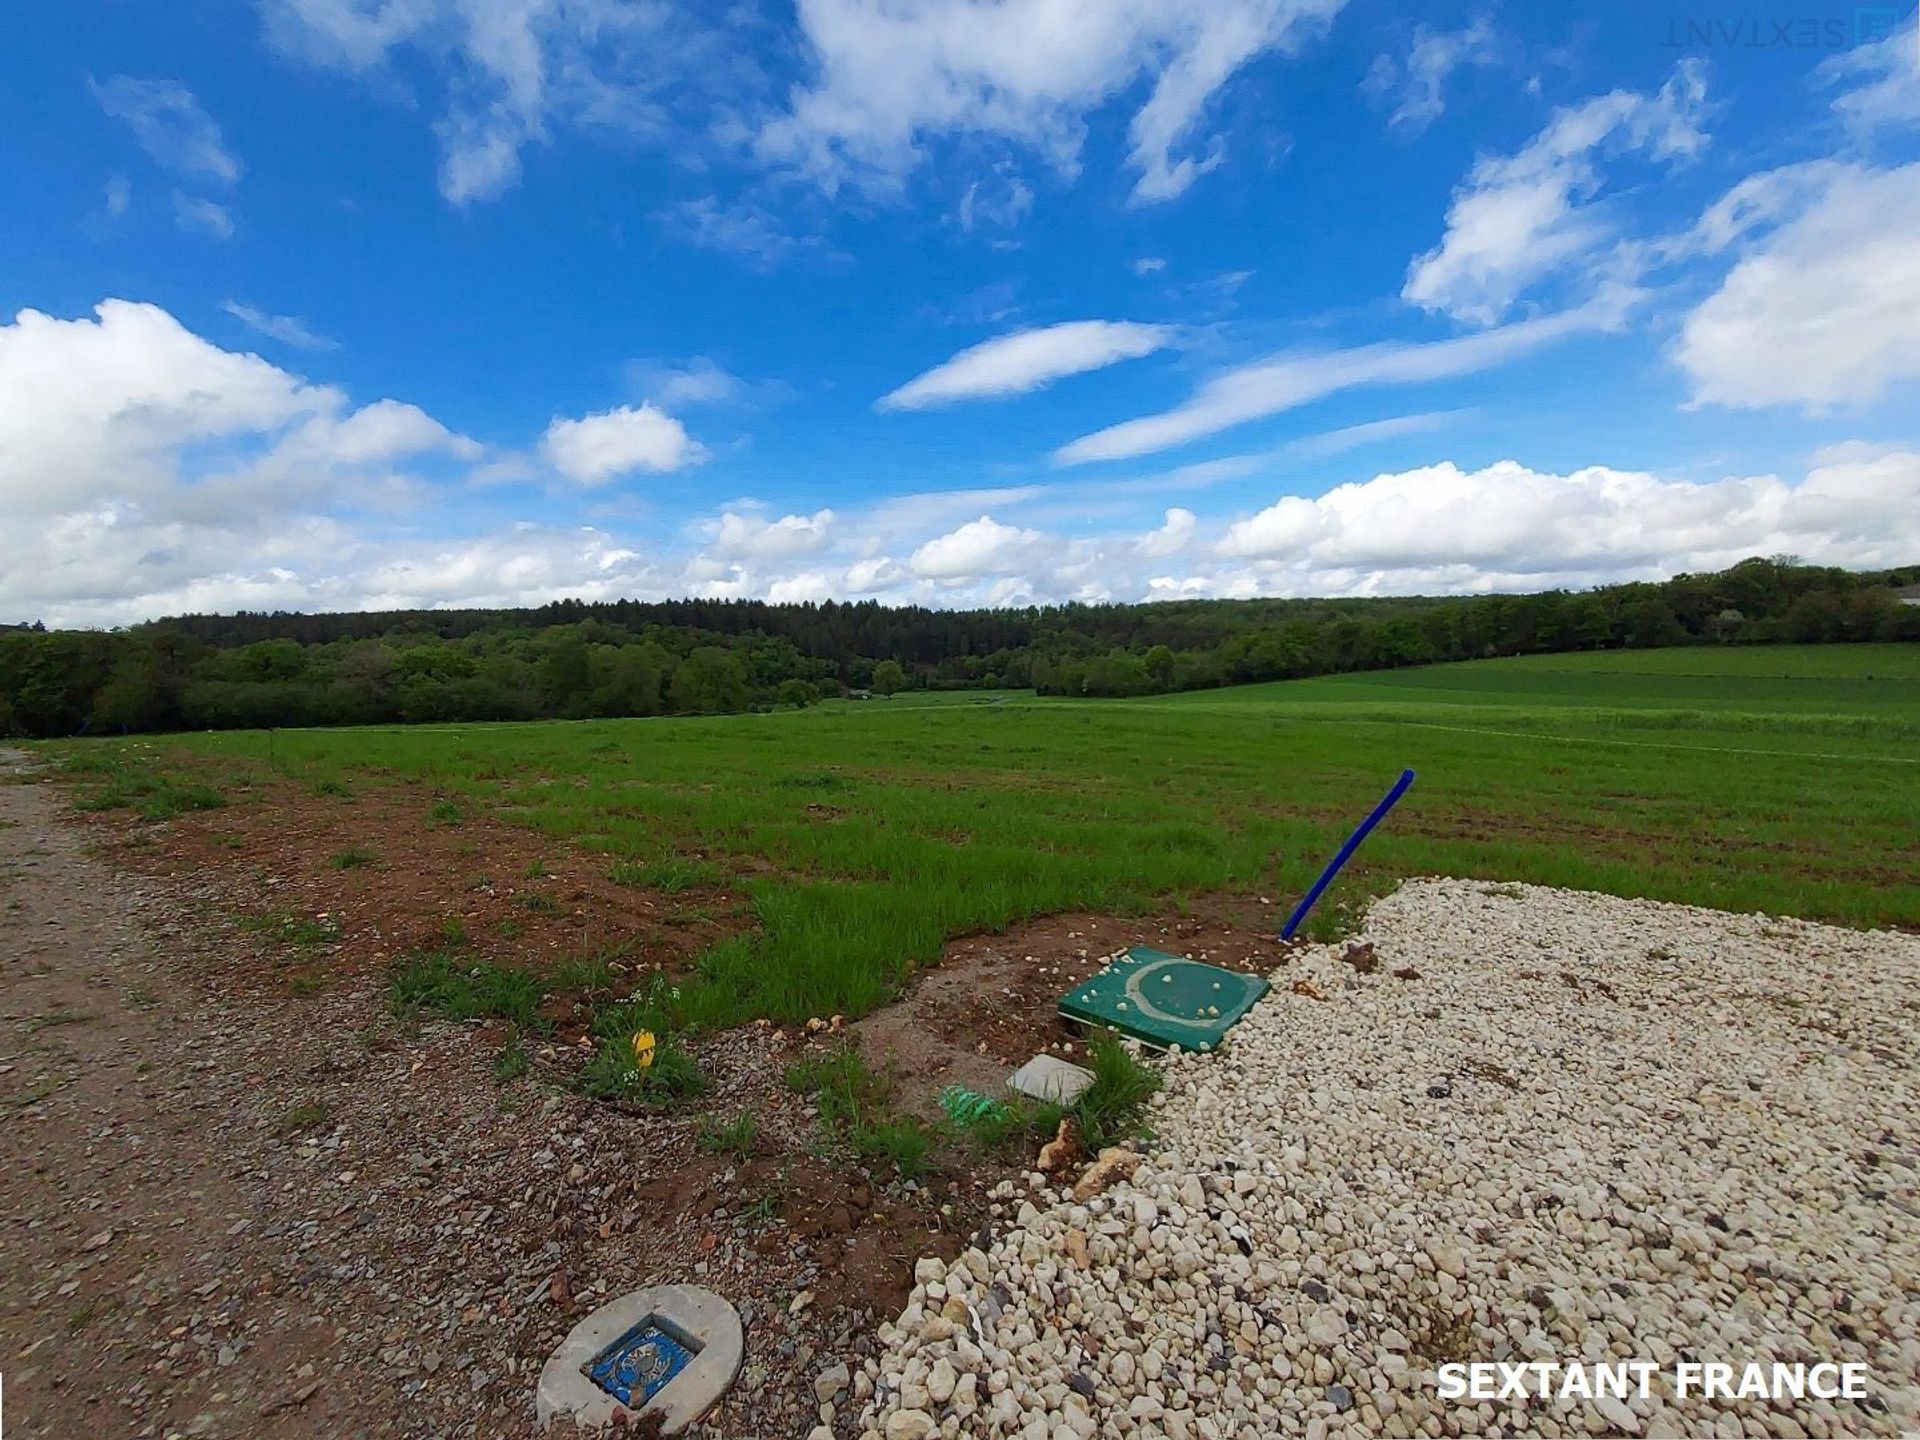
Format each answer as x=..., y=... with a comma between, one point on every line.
x=866, y=834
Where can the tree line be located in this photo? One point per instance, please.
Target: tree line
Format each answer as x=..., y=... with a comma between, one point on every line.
x=575, y=660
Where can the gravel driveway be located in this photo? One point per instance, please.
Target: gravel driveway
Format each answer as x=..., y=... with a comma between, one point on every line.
x=1515, y=1124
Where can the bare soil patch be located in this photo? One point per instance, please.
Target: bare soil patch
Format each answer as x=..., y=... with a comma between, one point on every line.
x=327, y=1220
x=394, y=870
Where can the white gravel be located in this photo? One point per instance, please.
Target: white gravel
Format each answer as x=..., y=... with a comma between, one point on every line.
x=1590, y=1128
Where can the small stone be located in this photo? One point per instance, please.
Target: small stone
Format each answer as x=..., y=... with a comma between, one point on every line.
x=828, y=1384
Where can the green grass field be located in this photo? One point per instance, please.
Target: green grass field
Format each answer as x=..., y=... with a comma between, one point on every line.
x=866, y=834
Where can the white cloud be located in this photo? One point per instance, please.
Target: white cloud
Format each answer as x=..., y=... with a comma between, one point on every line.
x=207, y=217
x=1520, y=218
x=889, y=78
x=1880, y=82
x=740, y=227
x=116, y=196
x=748, y=537
x=1508, y=527
x=1826, y=310
x=675, y=384
x=980, y=547
x=1416, y=86
x=875, y=576
x=1028, y=360
x=511, y=69
x=813, y=587
x=1288, y=380
x=1000, y=198
x=1172, y=537
x=596, y=449
x=144, y=471
x=287, y=329
x=92, y=408
x=1149, y=265
x=170, y=126
x=383, y=431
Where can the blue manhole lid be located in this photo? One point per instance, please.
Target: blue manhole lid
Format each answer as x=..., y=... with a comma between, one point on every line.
x=638, y=1365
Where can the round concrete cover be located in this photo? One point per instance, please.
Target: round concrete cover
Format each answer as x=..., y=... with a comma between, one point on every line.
x=709, y=1326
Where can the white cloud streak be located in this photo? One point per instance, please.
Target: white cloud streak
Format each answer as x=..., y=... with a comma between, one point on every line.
x=170, y=126
x=1028, y=360
x=287, y=329
x=1285, y=381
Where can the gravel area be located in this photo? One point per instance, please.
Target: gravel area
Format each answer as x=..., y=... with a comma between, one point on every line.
x=1509, y=1124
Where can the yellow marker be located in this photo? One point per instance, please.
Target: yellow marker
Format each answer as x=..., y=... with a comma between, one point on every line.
x=643, y=1048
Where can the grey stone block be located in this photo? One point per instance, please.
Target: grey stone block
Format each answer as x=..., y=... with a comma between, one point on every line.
x=706, y=1324
x=1047, y=1077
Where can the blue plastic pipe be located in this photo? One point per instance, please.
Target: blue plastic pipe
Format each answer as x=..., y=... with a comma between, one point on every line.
x=1346, y=853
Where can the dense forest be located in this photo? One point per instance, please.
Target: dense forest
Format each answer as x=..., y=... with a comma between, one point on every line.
x=573, y=660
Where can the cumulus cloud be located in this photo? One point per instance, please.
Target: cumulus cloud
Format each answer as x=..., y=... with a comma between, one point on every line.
x=1510, y=527
x=980, y=547
x=888, y=78
x=1825, y=311
x=1172, y=537
x=91, y=406
x=1028, y=360
x=170, y=126
x=600, y=448
x=1253, y=392
x=1522, y=217
x=749, y=537
x=1434, y=529
x=1416, y=86
x=146, y=471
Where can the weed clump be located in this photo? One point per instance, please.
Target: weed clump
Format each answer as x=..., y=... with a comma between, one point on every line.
x=301, y=930
x=1108, y=1111
x=852, y=1101
x=439, y=983
x=735, y=1138
x=149, y=793
x=669, y=876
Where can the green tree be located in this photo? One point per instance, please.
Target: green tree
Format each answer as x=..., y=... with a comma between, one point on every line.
x=709, y=682
x=797, y=693
x=1161, y=667
x=889, y=678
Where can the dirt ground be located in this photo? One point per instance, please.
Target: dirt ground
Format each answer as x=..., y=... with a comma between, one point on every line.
x=244, y=1200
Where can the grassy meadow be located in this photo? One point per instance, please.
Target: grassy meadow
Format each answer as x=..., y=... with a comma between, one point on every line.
x=866, y=834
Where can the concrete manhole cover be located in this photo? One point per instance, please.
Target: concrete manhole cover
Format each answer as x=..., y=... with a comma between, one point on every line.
x=668, y=1351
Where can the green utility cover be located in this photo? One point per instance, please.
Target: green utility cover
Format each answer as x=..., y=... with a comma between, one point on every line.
x=1163, y=1000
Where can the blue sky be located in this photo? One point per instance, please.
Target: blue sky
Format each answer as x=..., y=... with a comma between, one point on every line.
x=348, y=303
